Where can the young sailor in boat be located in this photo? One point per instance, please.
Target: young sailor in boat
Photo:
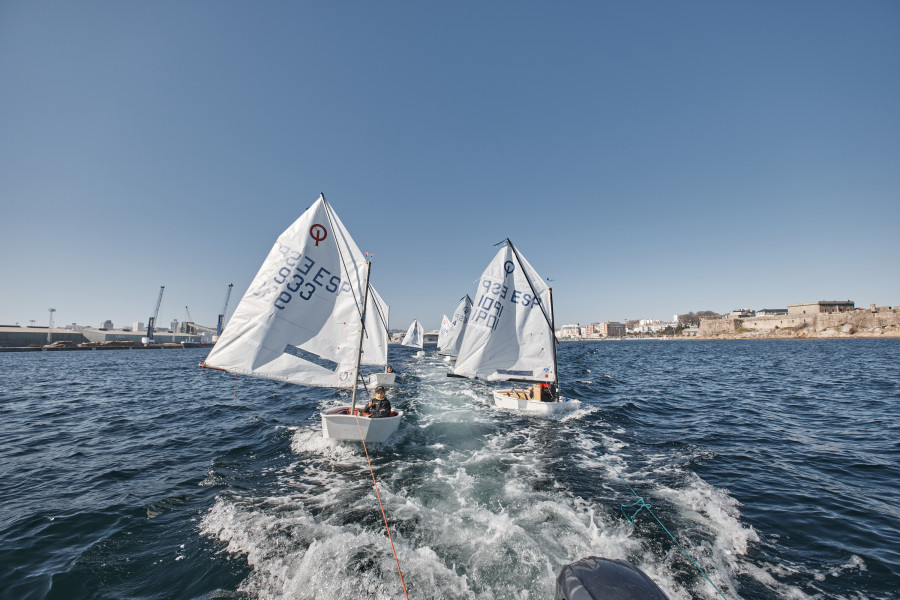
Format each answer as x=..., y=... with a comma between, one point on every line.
x=389, y=369
x=545, y=392
x=379, y=406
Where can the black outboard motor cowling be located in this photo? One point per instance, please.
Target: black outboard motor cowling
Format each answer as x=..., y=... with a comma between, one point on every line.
x=595, y=578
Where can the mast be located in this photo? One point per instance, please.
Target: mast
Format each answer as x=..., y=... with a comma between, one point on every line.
x=553, y=337
x=362, y=332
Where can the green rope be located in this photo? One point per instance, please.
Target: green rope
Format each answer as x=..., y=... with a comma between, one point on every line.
x=641, y=506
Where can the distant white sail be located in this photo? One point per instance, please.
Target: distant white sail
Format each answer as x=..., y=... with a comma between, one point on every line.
x=509, y=335
x=415, y=335
x=299, y=321
x=442, y=333
x=453, y=338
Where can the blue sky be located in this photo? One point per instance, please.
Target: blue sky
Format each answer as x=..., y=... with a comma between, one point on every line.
x=651, y=158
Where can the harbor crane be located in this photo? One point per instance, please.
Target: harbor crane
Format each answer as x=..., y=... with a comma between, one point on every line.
x=152, y=321
x=221, y=324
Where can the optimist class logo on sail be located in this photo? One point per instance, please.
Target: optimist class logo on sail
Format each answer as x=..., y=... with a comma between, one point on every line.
x=318, y=233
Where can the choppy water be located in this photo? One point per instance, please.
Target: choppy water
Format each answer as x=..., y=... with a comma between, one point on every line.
x=131, y=474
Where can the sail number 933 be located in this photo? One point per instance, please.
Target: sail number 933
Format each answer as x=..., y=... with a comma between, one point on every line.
x=299, y=277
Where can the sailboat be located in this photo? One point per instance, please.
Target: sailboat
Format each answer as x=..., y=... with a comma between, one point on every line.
x=387, y=377
x=442, y=332
x=510, y=336
x=310, y=317
x=415, y=337
x=453, y=338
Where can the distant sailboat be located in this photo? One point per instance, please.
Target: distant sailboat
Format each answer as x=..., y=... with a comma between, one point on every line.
x=442, y=332
x=310, y=317
x=510, y=336
x=387, y=377
x=453, y=338
x=415, y=337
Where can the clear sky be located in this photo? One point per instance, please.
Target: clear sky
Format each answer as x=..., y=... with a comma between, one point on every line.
x=650, y=158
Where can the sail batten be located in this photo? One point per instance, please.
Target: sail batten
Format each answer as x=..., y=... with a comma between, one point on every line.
x=508, y=334
x=299, y=321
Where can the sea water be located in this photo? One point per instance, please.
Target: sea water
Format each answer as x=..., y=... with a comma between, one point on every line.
x=775, y=465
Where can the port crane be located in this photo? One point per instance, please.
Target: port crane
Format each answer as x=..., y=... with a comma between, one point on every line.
x=221, y=324
x=152, y=321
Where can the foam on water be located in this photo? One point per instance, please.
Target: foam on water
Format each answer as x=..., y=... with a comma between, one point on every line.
x=475, y=508
x=488, y=504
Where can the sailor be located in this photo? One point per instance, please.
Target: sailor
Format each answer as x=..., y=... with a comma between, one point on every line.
x=545, y=392
x=379, y=406
x=389, y=369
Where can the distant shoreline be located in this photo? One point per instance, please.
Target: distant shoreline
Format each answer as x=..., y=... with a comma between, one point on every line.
x=691, y=338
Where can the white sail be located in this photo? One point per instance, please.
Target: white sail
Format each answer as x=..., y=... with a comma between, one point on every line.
x=509, y=335
x=454, y=337
x=415, y=335
x=442, y=333
x=375, y=343
x=299, y=320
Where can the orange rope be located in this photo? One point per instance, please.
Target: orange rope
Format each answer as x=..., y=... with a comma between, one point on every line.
x=383, y=516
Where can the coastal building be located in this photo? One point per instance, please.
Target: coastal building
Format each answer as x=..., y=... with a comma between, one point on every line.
x=822, y=307
x=570, y=331
x=122, y=335
x=810, y=319
x=654, y=325
x=611, y=329
x=742, y=313
x=13, y=336
x=768, y=312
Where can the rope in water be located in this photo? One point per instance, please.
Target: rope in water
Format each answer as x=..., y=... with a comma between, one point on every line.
x=383, y=516
x=643, y=506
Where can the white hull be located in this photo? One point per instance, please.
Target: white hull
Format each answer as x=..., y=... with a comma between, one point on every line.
x=513, y=400
x=420, y=353
x=382, y=379
x=338, y=424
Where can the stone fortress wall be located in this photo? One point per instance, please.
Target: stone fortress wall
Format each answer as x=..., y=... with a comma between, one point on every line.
x=875, y=321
